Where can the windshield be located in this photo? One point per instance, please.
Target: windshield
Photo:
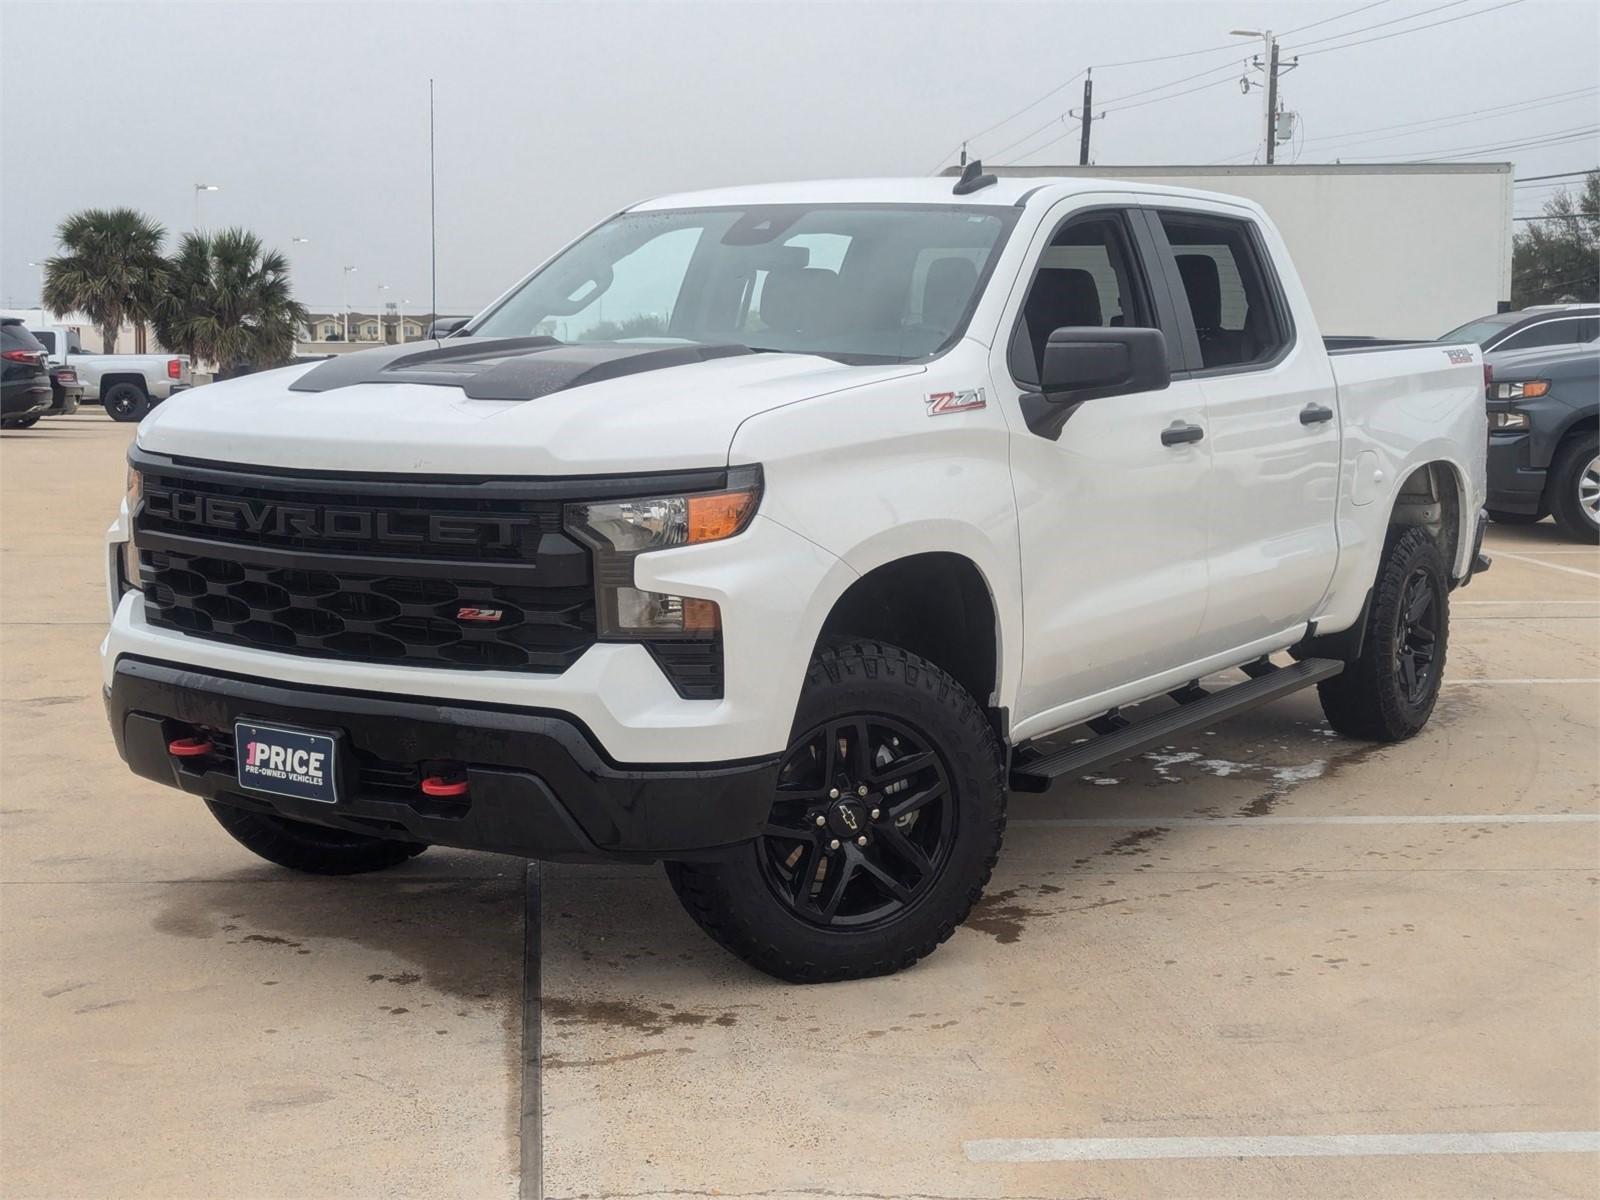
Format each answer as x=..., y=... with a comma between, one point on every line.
x=871, y=283
x=1480, y=331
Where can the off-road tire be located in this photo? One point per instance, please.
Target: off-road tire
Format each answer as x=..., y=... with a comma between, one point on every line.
x=125, y=402
x=731, y=899
x=1566, y=477
x=1368, y=700
x=314, y=849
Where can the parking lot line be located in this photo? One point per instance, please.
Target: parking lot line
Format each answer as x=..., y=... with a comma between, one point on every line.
x=1459, y=603
x=1539, y=562
x=1338, y=1145
x=1373, y=819
x=530, y=1131
x=1591, y=680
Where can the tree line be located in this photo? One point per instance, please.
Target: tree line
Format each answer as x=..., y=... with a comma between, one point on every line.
x=221, y=297
x=1556, y=259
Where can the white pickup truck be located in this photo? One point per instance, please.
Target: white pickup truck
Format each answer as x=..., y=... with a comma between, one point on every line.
x=129, y=385
x=773, y=532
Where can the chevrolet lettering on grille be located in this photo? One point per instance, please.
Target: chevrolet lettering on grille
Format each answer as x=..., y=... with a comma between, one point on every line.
x=246, y=515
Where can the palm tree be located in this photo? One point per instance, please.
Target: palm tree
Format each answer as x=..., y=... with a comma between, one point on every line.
x=112, y=270
x=228, y=300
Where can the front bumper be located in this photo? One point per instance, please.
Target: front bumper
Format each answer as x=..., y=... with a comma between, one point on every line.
x=538, y=786
x=1515, y=485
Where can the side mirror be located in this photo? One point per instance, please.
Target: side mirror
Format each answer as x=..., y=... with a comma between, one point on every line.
x=1089, y=363
x=443, y=329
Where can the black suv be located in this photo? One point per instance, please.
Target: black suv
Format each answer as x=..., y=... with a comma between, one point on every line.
x=1544, y=451
x=25, y=380
x=1530, y=328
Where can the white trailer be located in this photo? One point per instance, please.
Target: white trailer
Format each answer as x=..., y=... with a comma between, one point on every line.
x=1394, y=250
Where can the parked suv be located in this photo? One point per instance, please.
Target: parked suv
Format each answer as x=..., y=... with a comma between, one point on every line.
x=831, y=505
x=1549, y=325
x=24, y=378
x=1544, y=451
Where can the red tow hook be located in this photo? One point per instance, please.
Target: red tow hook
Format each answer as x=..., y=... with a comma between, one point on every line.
x=443, y=785
x=189, y=747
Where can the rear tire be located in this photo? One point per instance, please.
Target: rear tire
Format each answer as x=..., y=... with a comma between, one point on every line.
x=1388, y=694
x=1574, y=489
x=19, y=423
x=314, y=849
x=125, y=402
x=808, y=903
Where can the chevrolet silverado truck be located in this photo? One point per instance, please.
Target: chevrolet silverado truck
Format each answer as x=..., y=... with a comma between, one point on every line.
x=777, y=534
x=129, y=385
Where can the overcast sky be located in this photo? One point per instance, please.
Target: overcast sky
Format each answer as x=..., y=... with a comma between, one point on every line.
x=313, y=119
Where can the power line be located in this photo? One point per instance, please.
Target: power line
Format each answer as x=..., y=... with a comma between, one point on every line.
x=1447, y=120
x=1031, y=104
x=1463, y=151
x=1559, y=216
x=1416, y=29
x=1557, y=175
x=1174, y=96
x=1333, y=37
x=1040, y=129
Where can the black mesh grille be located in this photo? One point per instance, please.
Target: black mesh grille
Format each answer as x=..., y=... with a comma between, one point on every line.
x=444, y=578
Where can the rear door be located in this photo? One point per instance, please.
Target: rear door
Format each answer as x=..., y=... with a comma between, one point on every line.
x=1111, y=517
x=1273, y=428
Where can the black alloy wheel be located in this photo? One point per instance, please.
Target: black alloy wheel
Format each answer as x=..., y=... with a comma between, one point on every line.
x=862, y=822
x=1418, y=636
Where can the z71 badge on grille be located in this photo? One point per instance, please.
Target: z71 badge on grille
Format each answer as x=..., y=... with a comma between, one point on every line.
x=480, y=614
x=965, y=400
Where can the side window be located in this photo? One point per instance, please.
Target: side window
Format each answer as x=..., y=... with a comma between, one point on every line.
x=1228, y=287
x=1588, y=329
x=1544, y=333
x=1087, y=276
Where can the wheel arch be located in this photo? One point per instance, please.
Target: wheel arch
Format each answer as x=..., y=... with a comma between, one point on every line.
x=1435, y=496
x=938, y=604
x=112, y=379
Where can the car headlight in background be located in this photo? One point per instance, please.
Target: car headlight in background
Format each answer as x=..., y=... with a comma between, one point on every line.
x=1526, y=390
x=1512, y=419
x=618, y=531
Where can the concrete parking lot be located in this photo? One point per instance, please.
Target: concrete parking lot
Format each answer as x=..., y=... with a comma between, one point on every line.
x=1338, y=970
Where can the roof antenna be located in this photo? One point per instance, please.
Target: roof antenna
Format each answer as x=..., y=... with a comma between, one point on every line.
x=433, y=225
x=972, y=179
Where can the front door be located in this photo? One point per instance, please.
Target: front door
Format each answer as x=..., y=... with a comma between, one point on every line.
x=1111, y=514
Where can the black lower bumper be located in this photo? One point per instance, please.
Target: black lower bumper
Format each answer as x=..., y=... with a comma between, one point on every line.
x=537, y=784
x=1515, y=484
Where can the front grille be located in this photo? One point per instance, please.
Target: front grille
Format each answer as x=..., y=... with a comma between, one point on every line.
x=442, y=574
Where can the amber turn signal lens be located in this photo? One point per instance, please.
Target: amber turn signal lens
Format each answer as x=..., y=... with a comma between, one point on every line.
x=701, y=616
x=1535, y=387
x=718, y=516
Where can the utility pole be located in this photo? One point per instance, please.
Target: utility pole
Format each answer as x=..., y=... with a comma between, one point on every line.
x=1088, y=117
x=1272, y=97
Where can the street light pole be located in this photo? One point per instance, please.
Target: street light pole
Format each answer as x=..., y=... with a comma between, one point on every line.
x=40, y=267
x=198, y=188
x=347, y=273
x=1269, y=67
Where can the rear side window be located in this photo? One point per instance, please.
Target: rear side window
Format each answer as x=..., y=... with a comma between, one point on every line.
x=46, y=339
x=1562, y=332
x=1228, y=288
x=17, y=337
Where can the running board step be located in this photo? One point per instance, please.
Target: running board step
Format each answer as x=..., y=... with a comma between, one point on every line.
x=1196, y=710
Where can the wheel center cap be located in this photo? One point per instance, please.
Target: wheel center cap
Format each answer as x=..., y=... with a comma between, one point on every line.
x=847, y=820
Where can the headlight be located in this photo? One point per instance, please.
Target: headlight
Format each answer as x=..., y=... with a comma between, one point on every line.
x=132, y=494
x=620, y=530
x=1507, y=419
x=1527, y=390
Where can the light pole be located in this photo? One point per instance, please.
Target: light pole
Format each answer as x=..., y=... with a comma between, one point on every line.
x=348, y=271
x=1270, y=68
x=198, y=188
x=311, y=332
x=402, y=326
x=40, y=267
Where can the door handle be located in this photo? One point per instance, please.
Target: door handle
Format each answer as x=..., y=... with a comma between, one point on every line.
x=1313, y=414
x=1181, y=432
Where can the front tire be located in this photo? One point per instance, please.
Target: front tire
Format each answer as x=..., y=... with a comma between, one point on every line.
x=126, y=402
x=1575, y=487
x=886, y=825
x=314, y=849
x=1388, y=694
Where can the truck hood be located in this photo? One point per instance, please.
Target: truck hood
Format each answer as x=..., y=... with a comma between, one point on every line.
x=674, y=411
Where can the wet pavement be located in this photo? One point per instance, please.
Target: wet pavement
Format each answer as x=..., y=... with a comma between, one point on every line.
x=1259, y=932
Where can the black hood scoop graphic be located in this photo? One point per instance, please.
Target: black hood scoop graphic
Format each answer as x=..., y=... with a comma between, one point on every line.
x=505, y=368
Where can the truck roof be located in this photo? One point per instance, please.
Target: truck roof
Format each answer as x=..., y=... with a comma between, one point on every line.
x=1003, y=193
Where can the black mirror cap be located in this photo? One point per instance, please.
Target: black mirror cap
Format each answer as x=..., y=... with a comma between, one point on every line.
x=1090, y=363
x=443, y=329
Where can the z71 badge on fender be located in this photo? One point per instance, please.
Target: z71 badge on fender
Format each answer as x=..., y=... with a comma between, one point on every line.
x=965, y=400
